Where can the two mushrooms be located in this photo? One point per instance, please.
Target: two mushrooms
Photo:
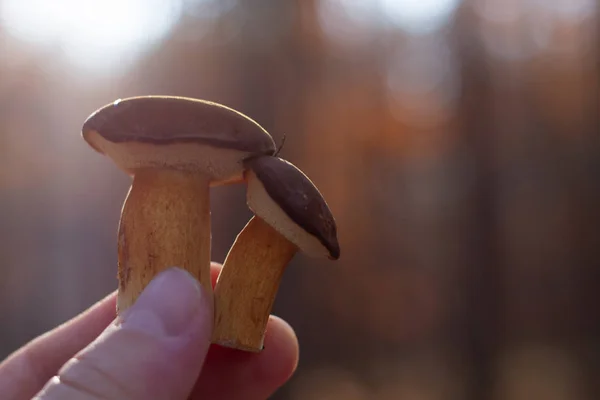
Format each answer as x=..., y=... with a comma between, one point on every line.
x=176, y=148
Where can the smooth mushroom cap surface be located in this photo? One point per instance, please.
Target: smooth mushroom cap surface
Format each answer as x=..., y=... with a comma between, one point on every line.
x=176, y=132
x=284, y=197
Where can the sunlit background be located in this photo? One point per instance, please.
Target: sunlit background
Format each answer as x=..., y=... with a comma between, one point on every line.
x=457, y=143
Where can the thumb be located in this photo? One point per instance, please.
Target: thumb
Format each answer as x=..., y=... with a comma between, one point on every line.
x=154, y=350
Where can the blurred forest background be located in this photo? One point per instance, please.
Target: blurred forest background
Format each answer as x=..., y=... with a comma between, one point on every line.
x=457, y=143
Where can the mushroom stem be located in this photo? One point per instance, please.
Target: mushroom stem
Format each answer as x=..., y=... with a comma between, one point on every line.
x=165, y=222
x=247, y=285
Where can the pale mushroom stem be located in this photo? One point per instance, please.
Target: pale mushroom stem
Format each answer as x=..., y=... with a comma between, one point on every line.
x=247, y=285
x=165, y=222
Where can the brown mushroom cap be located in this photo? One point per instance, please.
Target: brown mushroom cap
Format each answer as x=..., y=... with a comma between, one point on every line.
x=176, y=132
x=285, y=198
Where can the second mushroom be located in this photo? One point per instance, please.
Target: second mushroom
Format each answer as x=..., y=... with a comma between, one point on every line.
x=290, y=215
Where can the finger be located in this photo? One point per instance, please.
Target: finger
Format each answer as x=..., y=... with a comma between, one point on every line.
x=25, y=372
x=154, y=350
x=215, y=270
x=233, y=374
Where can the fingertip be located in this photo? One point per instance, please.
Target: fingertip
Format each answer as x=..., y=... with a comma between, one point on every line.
x=215, y=270
x=279, y=358
x=236, y=374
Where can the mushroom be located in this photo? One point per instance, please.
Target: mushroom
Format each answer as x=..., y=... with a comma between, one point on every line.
x=290, y=215
x=175, y=148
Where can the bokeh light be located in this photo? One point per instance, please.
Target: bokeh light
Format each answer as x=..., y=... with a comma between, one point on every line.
x=357, y=21
x=423, y=80
x=95, y=34
x=419, y=16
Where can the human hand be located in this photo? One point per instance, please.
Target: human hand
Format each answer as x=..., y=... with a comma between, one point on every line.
x=158, y=349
